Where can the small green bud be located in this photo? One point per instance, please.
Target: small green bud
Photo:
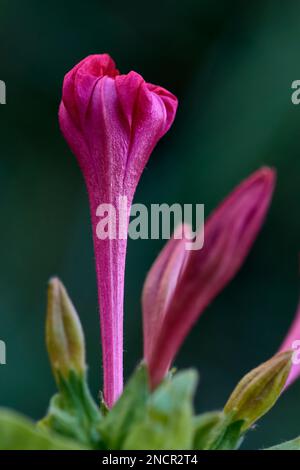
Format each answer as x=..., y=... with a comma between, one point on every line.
x=64, y=335
x=258, y=391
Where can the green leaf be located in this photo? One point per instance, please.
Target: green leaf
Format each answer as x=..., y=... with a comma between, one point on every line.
x=232, y=437
x=19, y=433
x=294, y=444
x=206, y=428
x=129, y=409
x=167, y=423
x=73, y=413
x=215, y=430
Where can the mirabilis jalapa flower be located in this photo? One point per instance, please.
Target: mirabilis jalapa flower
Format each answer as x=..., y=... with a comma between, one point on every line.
x=112, y=122
x=181, y=284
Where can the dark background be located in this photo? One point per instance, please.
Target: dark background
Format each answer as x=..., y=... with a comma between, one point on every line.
x=231, y=63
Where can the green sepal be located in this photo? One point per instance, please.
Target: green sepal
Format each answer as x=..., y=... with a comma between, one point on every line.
x=217, y=431
x=205, y=427
x=129, y=409
x=167, y=422
x=19, y=433
x=232, y=437
x=73, y=412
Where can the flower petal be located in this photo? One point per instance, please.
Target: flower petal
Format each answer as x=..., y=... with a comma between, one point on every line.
x=160, y=284
x=229, y=234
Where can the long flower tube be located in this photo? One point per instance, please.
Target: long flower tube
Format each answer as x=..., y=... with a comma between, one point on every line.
x=112, y=122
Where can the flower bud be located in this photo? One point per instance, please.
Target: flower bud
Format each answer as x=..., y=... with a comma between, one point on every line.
x=258, y=391
x=64, y=335
x=112, y=122
x=180, y=287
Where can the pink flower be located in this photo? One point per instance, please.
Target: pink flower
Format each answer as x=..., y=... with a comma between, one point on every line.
x=112, y=122
x=292, y=341
x=160, y=284
x=180, y=285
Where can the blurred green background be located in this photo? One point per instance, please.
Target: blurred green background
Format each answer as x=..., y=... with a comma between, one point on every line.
x=231, y=63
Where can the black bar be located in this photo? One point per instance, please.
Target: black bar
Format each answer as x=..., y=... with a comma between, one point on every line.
x=132, y=459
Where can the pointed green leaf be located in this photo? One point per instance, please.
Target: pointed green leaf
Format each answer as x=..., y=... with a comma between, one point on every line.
x=167, y=423
x=294, y=444
x=19, y=433
x=232, y=437
x=216, y=431
x=206, y=427
x=129, y=409
x=73, y=412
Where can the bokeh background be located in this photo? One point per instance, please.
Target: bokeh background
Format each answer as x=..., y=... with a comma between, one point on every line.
x=231, y=63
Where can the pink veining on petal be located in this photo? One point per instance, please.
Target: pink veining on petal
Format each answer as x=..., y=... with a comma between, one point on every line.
x=288, y=344
x=229, y=234
x=112, y=123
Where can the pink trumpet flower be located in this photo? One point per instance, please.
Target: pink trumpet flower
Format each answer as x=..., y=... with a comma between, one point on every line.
x=112, y=123
x=180, y=285
x=292, y=341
